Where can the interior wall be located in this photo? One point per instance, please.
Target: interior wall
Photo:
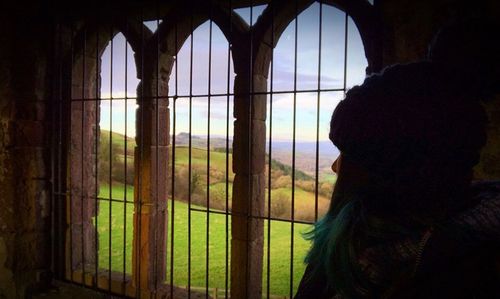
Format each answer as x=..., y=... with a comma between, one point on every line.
x=409, y=27
x=24, y=156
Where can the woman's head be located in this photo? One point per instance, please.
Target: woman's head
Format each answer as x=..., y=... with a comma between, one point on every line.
x=409, y=138
x=415, y=133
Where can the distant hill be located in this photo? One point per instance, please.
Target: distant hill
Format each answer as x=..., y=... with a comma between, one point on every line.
x=213, y=177
x=119, y=141
x=305, y=156
x=305, y=151
x=182, y=139
x=326, y=148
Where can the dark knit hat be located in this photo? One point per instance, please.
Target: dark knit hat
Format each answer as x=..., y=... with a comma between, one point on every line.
x=413, y=129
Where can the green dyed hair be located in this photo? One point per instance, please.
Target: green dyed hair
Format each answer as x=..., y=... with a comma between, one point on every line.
x=333, y=254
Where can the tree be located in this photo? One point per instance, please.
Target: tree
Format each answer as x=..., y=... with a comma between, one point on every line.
x=108, y=160
x=280, y=205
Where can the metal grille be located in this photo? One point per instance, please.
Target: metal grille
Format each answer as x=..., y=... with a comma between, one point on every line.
x=189, y=146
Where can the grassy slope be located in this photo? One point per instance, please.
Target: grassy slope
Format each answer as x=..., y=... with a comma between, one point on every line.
x=304, y=202
x=280, y=246
x=199, y=158
x=122, y=221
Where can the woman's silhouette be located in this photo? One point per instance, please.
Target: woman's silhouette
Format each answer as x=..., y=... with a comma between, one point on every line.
x=404, y=220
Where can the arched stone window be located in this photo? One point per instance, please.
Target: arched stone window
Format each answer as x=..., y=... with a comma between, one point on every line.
x=247, y=96
x=317, y=57
x=88, y=250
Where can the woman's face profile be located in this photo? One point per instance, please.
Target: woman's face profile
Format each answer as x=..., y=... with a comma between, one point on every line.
x=336, y=165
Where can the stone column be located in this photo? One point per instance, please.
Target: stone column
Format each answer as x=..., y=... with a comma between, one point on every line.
x=249, y=187
x=151, y=187
x=81, y=202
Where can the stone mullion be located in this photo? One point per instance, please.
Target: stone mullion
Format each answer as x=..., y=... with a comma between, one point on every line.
x=82, y=203
x=249, y=186
x=151, y=188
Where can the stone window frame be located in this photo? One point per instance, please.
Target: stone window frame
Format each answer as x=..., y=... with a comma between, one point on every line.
x=154, y=56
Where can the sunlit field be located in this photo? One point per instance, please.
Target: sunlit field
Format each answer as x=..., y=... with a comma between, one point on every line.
x=122, y=233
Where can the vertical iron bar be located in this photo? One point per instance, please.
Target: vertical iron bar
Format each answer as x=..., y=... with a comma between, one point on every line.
x=124, y=288
x=293, y=146
x=68, y=137
x=172, y=215
x=318, y=104
x=96, y=134
x=250, y=135
x=82, y=155
x=226, y=275
x=141, y=160
x=157, y=146
x=56, y=83
x=346, y=31
x=207, y=261
x=52, y=150
x=110, y=156
x=60, y=199
x=269, y=181
x=174, y=121
x=190, y=150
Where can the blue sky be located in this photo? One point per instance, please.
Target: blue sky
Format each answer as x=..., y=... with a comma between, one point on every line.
x=332, y=52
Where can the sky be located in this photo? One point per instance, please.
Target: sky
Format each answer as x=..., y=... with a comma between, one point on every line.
x=118, y=61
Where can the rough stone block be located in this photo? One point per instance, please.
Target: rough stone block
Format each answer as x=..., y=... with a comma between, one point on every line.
x=246, y=269
x=32, y=251
x=159, y=174
x=82, y=244
x=82, y=209
x=246, y=223
x=242, y=144
x=152, y=123
x=245, y=100
x=27, y=133
x=7, y=285
x=33, y=205
x=29, y=162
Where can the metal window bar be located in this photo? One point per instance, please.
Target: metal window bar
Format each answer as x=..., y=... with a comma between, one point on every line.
x=138, y=203
x=83, y=159
x=207, y=246
x=252, y=93
x=174, y=123
x=190, y=149
x=294, y=132
x=96, y=202
x=110, y=174
x=318, y=105
x=138, y=199
x=250, y=160
x=270, y=157
x=70, y=214
x=125, y=170
x=157, y=138
x=228, y=84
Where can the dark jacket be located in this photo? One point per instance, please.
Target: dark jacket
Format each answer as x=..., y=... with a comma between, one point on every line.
x=457, y=260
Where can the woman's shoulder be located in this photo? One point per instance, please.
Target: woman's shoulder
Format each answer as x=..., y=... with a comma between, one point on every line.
x=463, y=249
x=486, y=189
x=480, y=222
x=474, y=228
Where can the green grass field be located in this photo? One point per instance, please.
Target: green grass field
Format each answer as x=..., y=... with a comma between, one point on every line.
x=120, y=216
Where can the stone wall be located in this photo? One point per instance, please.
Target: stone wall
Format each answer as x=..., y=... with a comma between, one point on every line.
x=409, y=27
x=24, y=155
